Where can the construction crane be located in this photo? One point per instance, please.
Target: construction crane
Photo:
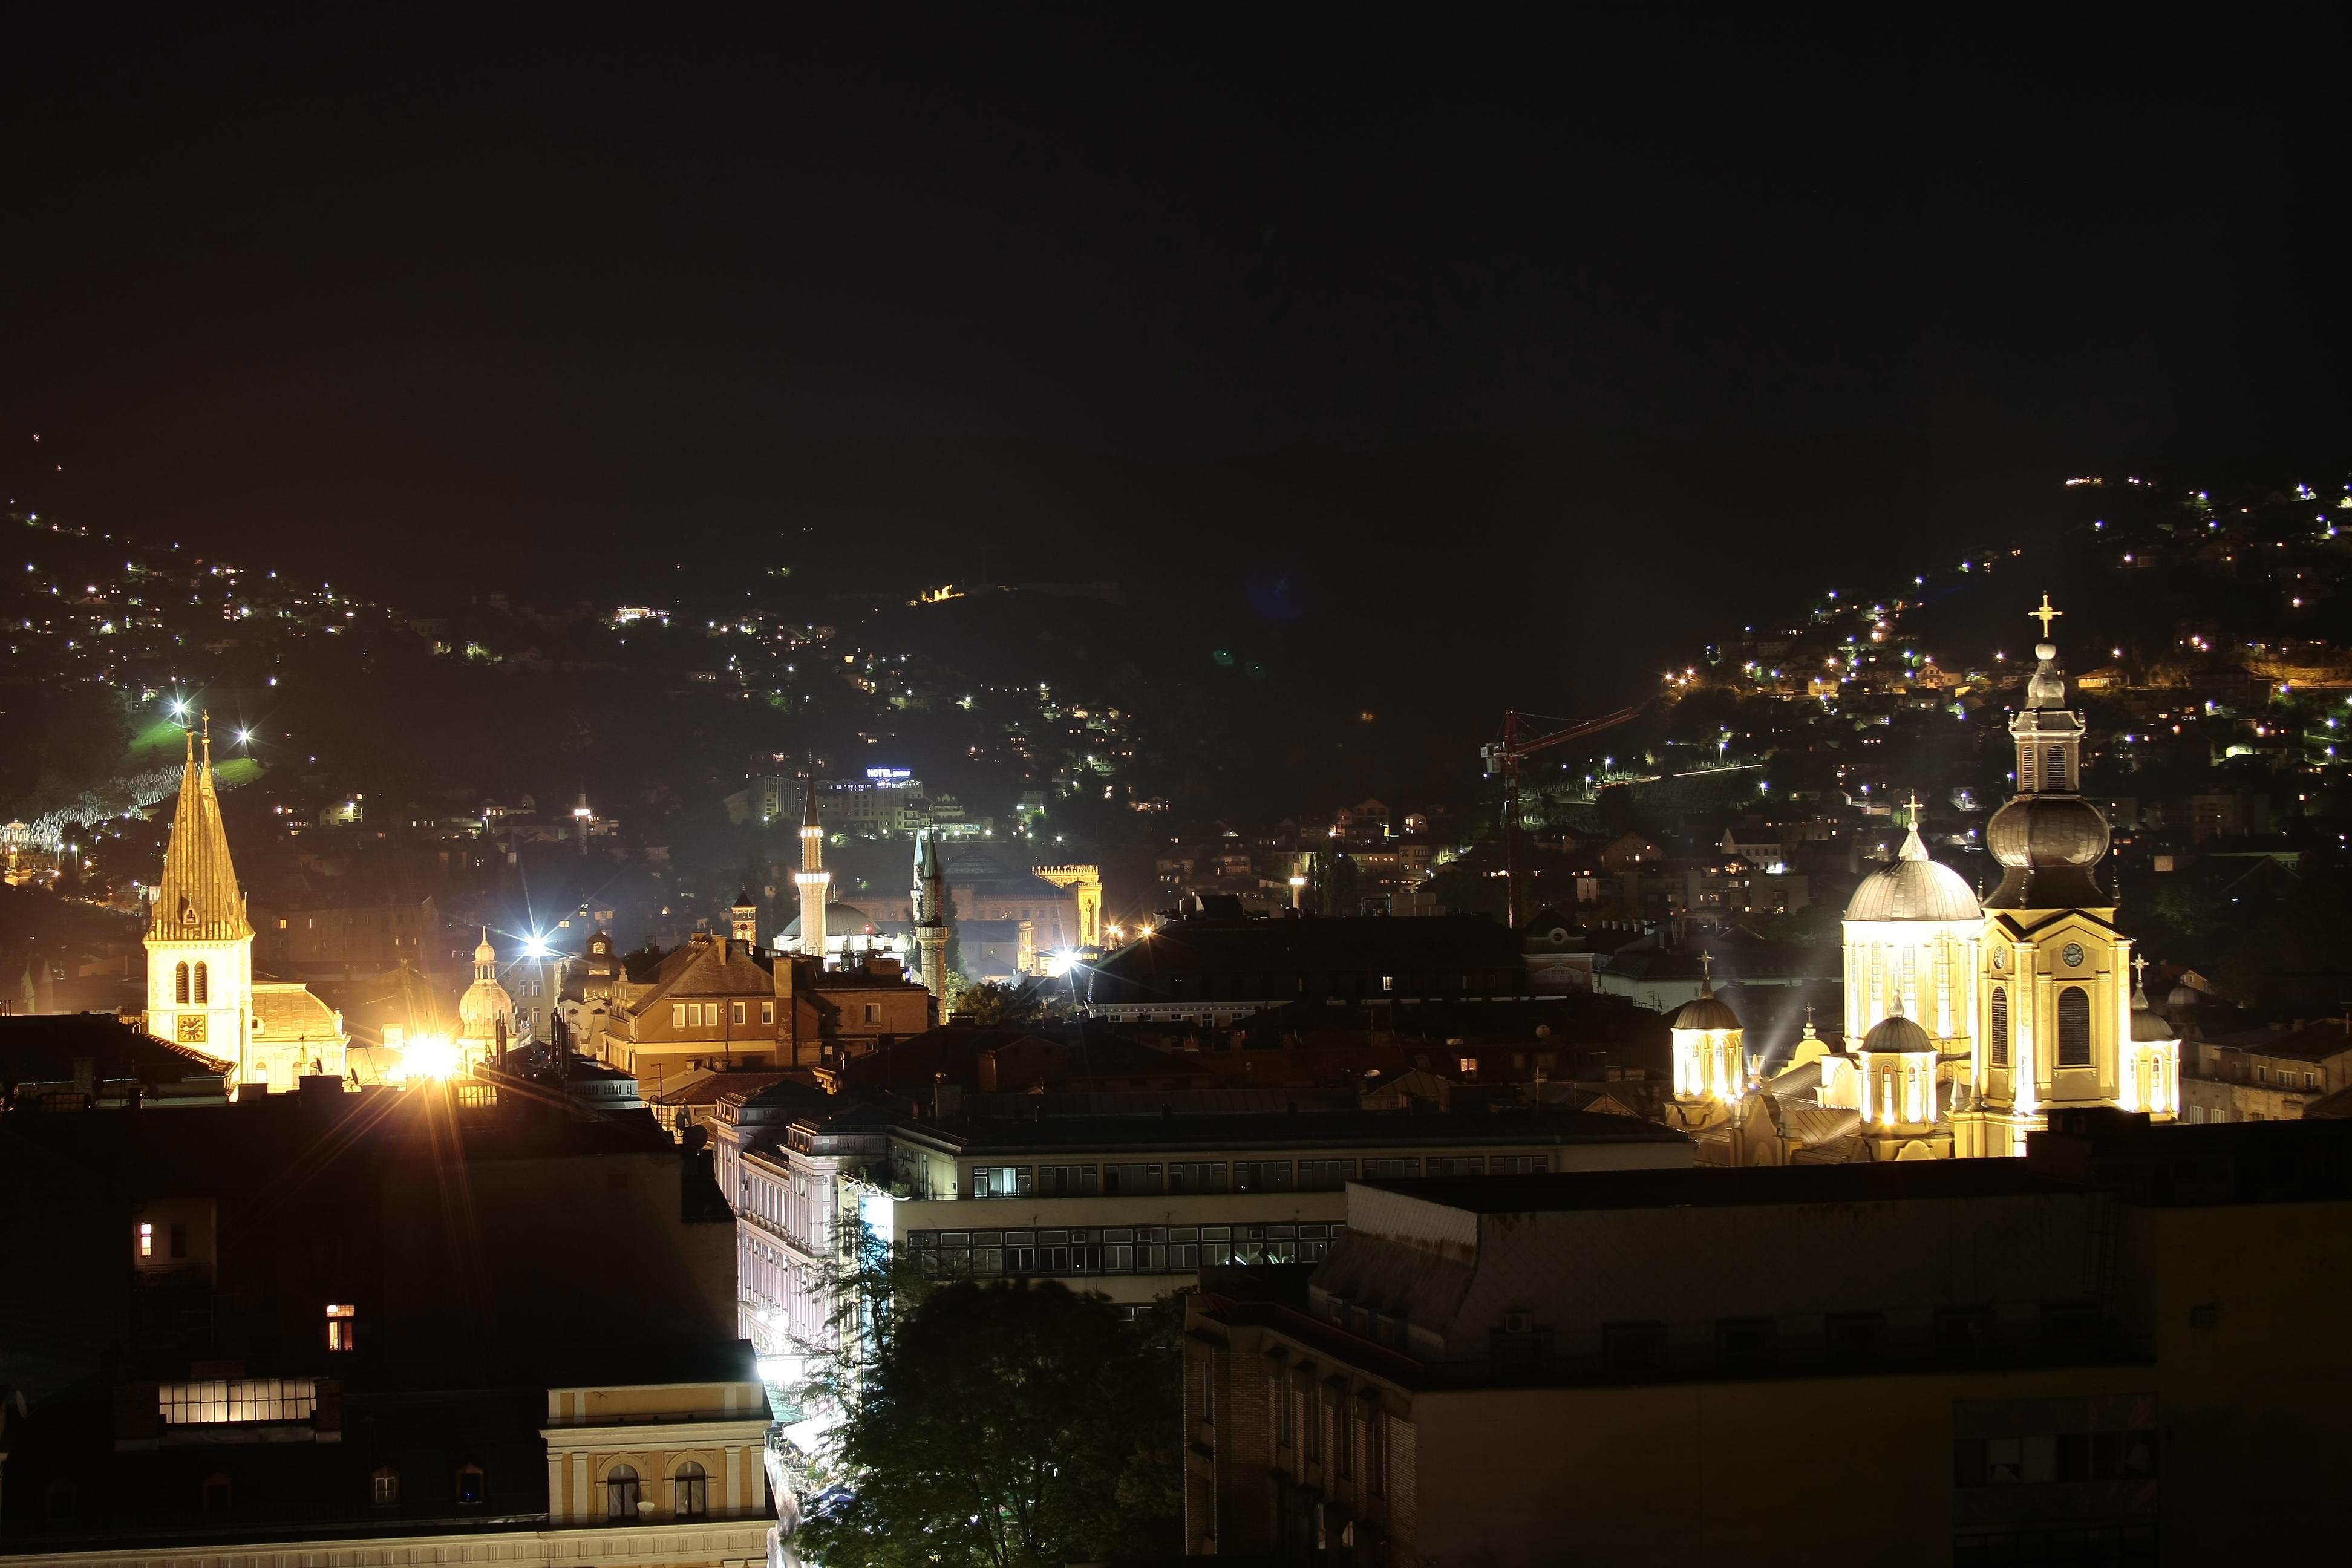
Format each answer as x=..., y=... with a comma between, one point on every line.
x=1503, y=757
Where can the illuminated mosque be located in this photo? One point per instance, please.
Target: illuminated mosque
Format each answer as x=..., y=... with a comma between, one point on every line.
x=1966, y=1024
x=201, y=991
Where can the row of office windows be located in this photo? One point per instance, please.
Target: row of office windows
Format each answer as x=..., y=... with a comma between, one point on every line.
x=1236, y=1176
x=2074, y=1026
x=1118, y=1249
x=711, y=1015
x=219, y=1492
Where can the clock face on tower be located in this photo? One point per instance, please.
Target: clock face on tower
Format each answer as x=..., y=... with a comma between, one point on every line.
x=192, y=1028
x=2072, y=953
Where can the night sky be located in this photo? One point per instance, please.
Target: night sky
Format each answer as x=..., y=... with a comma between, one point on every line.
x=1522, y=361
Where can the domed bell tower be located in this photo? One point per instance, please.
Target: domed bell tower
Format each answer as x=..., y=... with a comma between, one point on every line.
x=2054, y=981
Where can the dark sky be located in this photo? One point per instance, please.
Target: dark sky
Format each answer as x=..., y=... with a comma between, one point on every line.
x=1550, y=354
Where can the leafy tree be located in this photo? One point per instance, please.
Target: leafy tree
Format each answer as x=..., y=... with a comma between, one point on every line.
x=1005, y=1426
x=1031, y=1000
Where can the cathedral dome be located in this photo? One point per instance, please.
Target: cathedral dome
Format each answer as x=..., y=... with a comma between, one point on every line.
x=2047, y=830
x=1912, y=888
x=484, y=1002
x=2182, y=996
x=484, y=952
x=2146, y=1023
x=1895, y=1033
x=1707, y=1011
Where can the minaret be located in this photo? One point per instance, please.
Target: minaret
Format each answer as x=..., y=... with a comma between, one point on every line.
x=930, y=915
x=199, y=940
x=812, y=877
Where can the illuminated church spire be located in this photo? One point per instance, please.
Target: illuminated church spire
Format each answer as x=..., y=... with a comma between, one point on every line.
x=199, y=940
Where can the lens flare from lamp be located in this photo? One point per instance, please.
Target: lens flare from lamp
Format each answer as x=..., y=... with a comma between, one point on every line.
x=431, y=1056
x=535, y=946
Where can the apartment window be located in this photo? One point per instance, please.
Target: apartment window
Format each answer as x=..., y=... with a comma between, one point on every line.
x=178, y=1239
x=342, y=1327
x=1196, y=1176
x=1325, y=1176
x=218, y=1400
x=690, y=1492
x=219, y=1493
x=873, y=1012
x=2074, y=1027
x=738, y=1012
x=59, y=1503
x=621, y=1492
x=1067, y=1181
x=383, y=1487
x=767, y=1012
x=1002, y=1182
x=1021, y=1252
x=1407, y=1165
x=1469, y=1064
x=1376, y=1447
x=1853, y=1336
x=1133, y=1179
x=1250, y=1175
x=1342, y=1433
x=1631, y=1347
x=146, y=1241
x=1963, y=1331
x=677, y=1015
x=468, y=1486
x=2001, y=1025
x=1456, y=1165
x=1743, y=1341
x=1520, y=1164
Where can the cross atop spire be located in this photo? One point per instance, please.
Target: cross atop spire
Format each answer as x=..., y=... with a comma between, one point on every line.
x=2139, y=969
x=2045, y=614
x=1707, y=971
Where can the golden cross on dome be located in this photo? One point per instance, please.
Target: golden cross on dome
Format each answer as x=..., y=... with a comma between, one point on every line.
x=1707, y=964
x=2139, y=969
x=2045, y=614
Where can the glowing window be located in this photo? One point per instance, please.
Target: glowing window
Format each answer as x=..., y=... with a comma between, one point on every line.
x=342, y=1327
x=146, y=1241
x=2000, y=1026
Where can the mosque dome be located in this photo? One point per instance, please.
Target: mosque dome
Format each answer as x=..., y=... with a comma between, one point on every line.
x=1896, y=1034
x=2047, y=831
x=1706, y=1011
x=1912, y=888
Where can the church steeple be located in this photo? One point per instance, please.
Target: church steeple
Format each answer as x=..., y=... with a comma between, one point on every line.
x=198, y=899
x=2047, y=837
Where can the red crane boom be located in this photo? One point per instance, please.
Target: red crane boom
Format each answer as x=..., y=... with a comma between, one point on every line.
x=1503, y=757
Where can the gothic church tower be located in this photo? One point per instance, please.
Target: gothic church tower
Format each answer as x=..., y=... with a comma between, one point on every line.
x=199, y=940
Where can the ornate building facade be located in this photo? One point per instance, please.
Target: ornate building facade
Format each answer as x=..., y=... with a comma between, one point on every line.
x=1965, y=1024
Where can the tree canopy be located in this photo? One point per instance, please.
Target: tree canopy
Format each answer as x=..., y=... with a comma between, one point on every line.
x=1004, y=1426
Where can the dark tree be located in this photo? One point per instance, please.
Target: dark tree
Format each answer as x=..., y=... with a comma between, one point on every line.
x=1004, y=1426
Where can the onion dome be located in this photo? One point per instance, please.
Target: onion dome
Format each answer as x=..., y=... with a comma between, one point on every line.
x=1894, y=1034
x=2183, y=995
x=1912, y=888
x=2146, y=1023
x=2043, y=831
x=484, y=952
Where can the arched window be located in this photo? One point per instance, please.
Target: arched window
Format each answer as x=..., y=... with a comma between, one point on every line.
x=180, y=983
x=693, y=1491
x=2000, y=1027
x=2074, y=1027
x=2054, y=767
x=621, y=1492
x=204, y=982
x=468, y=1484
